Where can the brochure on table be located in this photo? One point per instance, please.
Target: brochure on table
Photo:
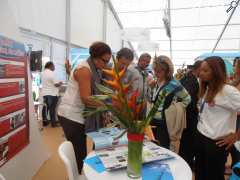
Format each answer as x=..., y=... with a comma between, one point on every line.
x=108, y=137
x=116, y=158
x=112, y=152
x=14, y=115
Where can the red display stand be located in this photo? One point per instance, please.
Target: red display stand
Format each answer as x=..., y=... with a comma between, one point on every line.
x=14, y=108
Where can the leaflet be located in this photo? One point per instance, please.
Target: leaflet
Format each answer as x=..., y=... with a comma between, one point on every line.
x=108, y=138
x=116, y=158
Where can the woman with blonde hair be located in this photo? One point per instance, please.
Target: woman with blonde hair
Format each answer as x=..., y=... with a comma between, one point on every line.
x=163, y=69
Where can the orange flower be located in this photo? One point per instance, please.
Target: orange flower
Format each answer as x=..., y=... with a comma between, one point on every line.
x=133, y=100
x=110, y=73
x=121, y=73
x=114, y=84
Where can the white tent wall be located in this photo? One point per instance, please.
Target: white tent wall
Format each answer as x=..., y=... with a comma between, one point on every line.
x=196, y=25
x=43, y=16
x=113, y=32
x=49, y=18
x=38, y=43
x=58, y=56
x=86, y=22
x=27, y=162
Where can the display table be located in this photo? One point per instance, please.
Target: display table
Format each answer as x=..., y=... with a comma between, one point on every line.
x=179, y=168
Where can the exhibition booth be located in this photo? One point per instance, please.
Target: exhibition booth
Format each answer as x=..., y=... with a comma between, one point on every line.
x=33, y=33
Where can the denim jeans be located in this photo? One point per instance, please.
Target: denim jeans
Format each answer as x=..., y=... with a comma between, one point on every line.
x=51, y=103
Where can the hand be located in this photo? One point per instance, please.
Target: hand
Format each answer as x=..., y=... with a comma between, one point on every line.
x=227, y=140
x=152, y=83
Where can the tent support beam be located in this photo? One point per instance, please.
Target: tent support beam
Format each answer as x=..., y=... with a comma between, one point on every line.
x=225, y=26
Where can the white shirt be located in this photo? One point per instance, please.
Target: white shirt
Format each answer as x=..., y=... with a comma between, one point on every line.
x=48, y=83
x=220, y=119
x=71, y=106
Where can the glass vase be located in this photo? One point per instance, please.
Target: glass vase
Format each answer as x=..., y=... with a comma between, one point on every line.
x=135, y=145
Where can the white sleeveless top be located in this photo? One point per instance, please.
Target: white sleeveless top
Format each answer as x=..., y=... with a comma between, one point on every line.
x=71, y=106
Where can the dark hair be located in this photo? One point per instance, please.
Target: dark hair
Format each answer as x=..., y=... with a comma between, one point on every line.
x=236, y=77
x=145, y=55
x=196, y=65
x=213, y=87
x=48, y=65
x=125, y=52
x=236, y=61
x=98, y=49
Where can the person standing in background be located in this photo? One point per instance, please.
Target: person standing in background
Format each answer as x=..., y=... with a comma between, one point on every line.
x=82, y=85
x=124, y=59
x=190, y=83
x=139, y=76
x=163, y=70
x=220, y=103
x=50, y=92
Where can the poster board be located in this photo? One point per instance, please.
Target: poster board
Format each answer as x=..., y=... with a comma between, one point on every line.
x=14, y=107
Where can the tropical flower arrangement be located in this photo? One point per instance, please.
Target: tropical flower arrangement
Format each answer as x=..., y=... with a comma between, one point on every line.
x=126, y=111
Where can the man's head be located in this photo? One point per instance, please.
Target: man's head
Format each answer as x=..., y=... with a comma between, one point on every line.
x=124, y=57
x=144, y=61
x=49, y=65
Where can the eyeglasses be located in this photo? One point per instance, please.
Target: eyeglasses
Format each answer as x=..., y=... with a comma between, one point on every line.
x=104, y=61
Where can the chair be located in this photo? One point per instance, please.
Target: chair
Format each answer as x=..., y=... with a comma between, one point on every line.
x=67, y=154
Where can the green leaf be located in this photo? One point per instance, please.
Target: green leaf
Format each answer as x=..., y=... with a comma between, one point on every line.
x=119, y=115
x=104, y=89
x=90, y=112
x=100, y=97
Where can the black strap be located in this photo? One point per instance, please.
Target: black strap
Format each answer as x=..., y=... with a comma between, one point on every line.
x=158, y=92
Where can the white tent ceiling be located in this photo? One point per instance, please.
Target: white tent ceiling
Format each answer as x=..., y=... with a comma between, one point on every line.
x=196, y=25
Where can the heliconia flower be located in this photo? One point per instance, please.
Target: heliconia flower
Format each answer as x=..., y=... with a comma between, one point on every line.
x=121, y=73
x=148, y=132
x=126, y=88
x=110, y=72
x=139, y=109
x=133, y=100
x=114, y=84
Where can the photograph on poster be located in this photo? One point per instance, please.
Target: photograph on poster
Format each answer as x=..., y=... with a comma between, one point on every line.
x=11, y=87
x=21, y=84
x=3, y=150
x=11, y=69
x=17, y=120
x=12, y=104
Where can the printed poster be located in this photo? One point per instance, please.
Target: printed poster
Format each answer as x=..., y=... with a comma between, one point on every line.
x=14, y=108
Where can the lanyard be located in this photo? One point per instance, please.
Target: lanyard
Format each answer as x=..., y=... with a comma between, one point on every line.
x=155, y=95
x=202, y=105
